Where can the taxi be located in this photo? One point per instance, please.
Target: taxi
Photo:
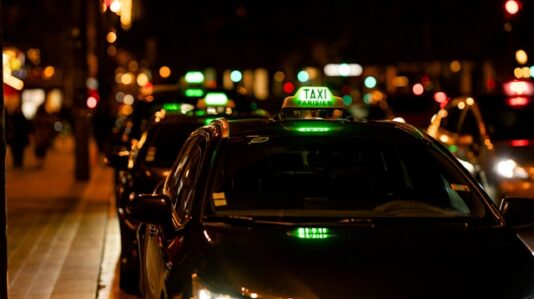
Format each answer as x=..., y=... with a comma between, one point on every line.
x=311, y=204
x=493, y=137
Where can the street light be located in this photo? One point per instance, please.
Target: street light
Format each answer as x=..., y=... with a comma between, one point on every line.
x=512, y=7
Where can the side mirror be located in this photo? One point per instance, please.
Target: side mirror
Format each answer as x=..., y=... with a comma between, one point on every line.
x=118, y=158
x=152, y=209
x=518, y=212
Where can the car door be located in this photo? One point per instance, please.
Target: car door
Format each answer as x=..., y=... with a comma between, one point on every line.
x=160, y=243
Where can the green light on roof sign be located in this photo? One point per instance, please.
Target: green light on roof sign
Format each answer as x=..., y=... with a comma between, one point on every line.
x=172, y=106
x=312, y=233
x=194, y=77
x=314, y=96
x=216, y=98
x=194, y=92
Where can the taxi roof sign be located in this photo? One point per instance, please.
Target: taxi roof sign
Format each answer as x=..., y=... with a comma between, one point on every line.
x=216, y=99
x=313, y=97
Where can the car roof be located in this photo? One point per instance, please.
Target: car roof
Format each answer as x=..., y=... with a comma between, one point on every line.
x=338, y=127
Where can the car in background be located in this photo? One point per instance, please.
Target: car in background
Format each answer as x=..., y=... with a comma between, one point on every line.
x=149, y=159
x=313, y=205
x=493, y=137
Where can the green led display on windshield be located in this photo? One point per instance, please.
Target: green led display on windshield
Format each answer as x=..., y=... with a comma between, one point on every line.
x=194, y=92
x=313, y=129
x=310, y=96
x=312, y=233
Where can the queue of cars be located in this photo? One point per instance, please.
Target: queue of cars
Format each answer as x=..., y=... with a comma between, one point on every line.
x=141, y=167
x=315, y=204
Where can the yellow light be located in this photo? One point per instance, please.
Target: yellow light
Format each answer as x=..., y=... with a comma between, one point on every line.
x=164, y=72
x=126, y=14
x=444, y=138
x=279, y=76
x=518, y=73
x=455, y=66
x=470, y=101
x=142, y=79
x=133, y=66
x=400, y=81
x=127, y=78
x=111, y=37
x=118, y=77
x=49, y=72
x=13, y=82
x=115, y=6
x=521, y=56
x=461, y=105
x=525, y=71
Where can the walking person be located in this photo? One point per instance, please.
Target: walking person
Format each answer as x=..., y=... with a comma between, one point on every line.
x=17, y=134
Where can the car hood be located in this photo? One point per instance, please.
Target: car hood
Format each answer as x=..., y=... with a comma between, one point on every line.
x=393, y=261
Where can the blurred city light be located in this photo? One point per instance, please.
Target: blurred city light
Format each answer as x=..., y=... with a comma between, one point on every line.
x=279, y=76
x=111, y=37
x=521, y=56
x=236, y=76
x=517, y=101
x=91, y=83
x=194, y=92
x=518, y=88
x=115, y=6
x=400, y=81
x=370, y=82
x=418, y=89
x=347, y=100
x=164, y=72
x=440, y=97
x=142, y=79
x=303, y=76
x=127, y=78
x=512, y=6
x=49, y=72
x=91, y=102
x=194, y=77
x=288, y=87
x=343, y=70
x=128, y=99
x=455, y=66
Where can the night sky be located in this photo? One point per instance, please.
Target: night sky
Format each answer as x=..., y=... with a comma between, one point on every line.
x=269, y=33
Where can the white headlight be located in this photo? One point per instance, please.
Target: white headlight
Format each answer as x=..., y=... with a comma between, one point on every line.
x=509, y=169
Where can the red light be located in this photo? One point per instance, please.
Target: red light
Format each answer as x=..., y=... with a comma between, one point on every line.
x=440, y=97
x=91, y=102
x=490, y=84
x=517, y=101
x=289, y=87
x=418, y=89
x=512, y=6
x=519, y=142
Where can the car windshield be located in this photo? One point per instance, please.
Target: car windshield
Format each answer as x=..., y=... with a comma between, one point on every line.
x=506, y=122
x=164, y=142
x=321, y=176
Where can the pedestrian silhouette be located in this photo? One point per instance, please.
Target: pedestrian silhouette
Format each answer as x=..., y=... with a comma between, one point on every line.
x=17, y=134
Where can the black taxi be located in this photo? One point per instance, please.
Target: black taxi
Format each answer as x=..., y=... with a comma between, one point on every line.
x=311, y=204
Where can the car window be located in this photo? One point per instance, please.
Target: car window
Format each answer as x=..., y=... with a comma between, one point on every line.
x=165, y=143
x=451, y=123
x=184, y=175
x=340, y=177
x=470, y=126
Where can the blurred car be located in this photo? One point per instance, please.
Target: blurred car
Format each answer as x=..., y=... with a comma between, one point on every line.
x=326, y=207
x=493, y=138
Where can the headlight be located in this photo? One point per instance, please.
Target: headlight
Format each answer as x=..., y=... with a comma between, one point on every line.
x=470, y=167
x=200, y=291
x=509, y=169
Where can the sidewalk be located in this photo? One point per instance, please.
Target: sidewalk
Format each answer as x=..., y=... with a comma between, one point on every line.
x=62, y=234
